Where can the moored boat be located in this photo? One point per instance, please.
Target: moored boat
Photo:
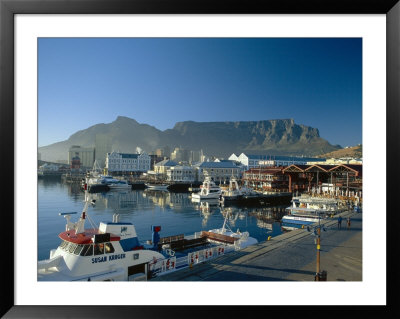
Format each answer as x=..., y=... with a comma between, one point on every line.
x=232, y=193
x=112, y=251
x=208, y=190
x=119, y=184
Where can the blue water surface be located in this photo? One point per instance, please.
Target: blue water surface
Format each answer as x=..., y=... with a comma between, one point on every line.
x=174, y=212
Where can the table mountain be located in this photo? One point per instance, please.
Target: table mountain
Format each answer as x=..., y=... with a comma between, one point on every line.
x=275, y=137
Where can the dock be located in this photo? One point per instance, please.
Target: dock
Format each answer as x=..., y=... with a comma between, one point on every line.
x=290, y=256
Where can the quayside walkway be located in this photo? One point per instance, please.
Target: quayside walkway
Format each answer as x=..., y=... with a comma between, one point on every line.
x=288, y=257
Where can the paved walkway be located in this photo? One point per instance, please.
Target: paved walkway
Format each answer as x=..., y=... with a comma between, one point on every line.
x=288, y=257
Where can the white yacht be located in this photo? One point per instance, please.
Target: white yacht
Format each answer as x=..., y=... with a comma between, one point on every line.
x=208, y=190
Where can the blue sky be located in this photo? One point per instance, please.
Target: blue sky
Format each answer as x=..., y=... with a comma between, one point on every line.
x=161, y=81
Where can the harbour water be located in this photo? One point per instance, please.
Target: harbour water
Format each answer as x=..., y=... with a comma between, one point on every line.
x=174, y=212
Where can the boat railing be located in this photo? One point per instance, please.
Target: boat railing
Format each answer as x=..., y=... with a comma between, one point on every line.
x=163, y=266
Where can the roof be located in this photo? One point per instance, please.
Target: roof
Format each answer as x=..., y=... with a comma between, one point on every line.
x=217, y=165
x=166, y=163
x=319, y=168
x=284, y=158
x=296, y=168
x=83, y=238
x=267, y=170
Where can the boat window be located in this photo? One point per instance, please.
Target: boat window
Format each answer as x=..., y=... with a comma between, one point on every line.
x=78, y=249
x=109, y=248
x=63, y=244
x=99, y=249
x=87, y=251
x=84, y=249
x=71, y=248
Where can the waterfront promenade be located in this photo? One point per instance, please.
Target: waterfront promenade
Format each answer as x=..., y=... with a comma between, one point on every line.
x=288, y=257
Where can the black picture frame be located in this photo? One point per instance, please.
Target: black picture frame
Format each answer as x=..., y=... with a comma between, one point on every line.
x=8, y=8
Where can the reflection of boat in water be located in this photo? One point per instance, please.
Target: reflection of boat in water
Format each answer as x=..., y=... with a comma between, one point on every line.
x=157, y=187
x=209, y=190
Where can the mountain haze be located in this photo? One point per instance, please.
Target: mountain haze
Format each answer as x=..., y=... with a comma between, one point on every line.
x=276, y=137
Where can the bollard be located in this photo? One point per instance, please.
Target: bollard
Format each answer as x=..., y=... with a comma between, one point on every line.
x=321, y=276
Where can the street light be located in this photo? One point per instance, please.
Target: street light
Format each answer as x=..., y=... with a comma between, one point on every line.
x=319, y=276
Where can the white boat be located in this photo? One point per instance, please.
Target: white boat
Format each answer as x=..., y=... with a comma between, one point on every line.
x=302, y=217
x=119, y=184
x=113, y=252
x=158, y=187
x=208, y=190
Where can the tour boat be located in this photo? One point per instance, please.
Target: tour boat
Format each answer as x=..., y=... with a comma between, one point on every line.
x=208, y=190
x=113, y=252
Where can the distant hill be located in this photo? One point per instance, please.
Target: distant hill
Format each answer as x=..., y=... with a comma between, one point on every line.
x=276, y=137
x=354, y=152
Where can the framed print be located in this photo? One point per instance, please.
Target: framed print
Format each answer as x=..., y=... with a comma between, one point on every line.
x=30, y=30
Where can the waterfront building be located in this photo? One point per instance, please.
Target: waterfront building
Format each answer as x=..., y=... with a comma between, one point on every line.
x=160, y=168
x=253, y=161
x=85, y=154
x=76, y=163
x=219, y=172
x=266, y=179
x=103, y=145
x=334, y=180
x=181, y=173
x=127, y=163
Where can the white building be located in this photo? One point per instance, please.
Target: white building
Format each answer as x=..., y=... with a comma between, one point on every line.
x=217, y=171
x=181, y=174
x=125, y=163
x=256, y=161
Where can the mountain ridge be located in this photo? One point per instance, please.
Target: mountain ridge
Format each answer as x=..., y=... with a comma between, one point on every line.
x=278, y=137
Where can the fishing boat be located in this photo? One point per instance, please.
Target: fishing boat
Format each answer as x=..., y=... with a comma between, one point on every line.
x=208, y=190
x=232, y=193
x=112, y=251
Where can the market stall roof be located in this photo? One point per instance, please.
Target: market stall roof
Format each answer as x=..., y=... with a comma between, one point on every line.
x=295, y=168
x=355, y=169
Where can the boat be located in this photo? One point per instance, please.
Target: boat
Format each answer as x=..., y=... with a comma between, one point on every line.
x=302, y=218
x=208, y=190
x=118, y=184
x=232, y=193
x=158, y=187
x=112, y=251
x=328, y=205
x=305, y=211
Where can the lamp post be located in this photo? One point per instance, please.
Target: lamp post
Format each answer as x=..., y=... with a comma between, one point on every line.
x=317, y=232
